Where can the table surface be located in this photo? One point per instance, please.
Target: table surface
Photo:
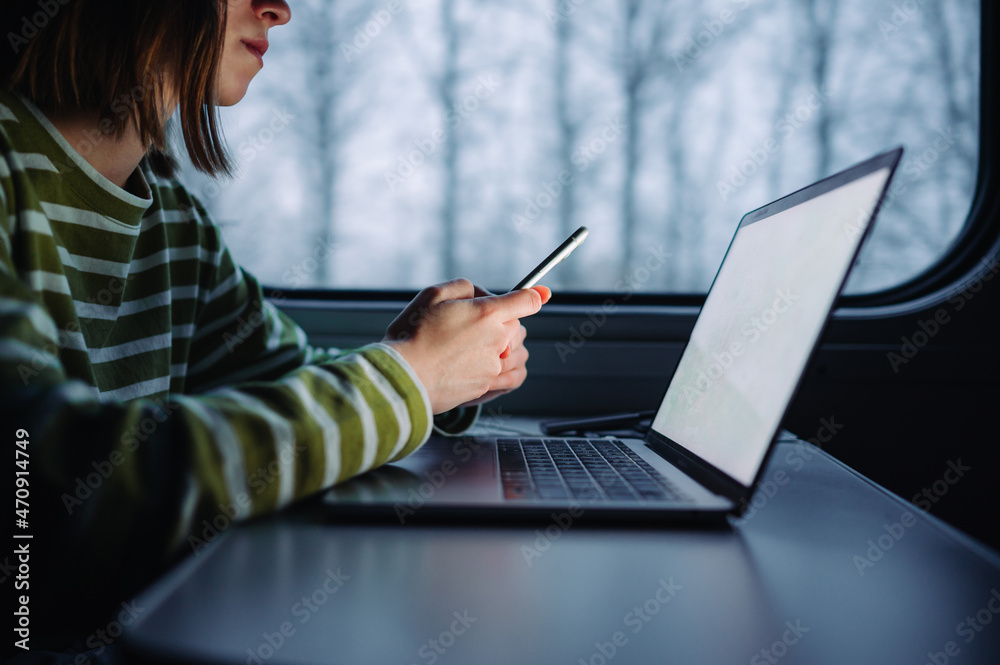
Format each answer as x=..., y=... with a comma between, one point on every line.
x=825, y=567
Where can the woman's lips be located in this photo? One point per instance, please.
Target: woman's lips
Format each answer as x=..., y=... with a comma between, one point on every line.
x=256, y=46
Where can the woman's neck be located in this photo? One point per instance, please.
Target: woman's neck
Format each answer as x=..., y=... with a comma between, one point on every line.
x=115, y=159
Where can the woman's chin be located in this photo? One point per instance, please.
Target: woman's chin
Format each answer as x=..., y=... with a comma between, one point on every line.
x=232, y=93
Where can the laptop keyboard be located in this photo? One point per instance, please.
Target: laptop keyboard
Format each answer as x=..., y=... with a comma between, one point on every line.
x=586, y=470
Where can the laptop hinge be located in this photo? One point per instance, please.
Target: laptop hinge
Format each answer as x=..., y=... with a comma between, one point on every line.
x=701, y=471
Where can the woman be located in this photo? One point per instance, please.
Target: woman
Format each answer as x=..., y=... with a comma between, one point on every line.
x=159, y=395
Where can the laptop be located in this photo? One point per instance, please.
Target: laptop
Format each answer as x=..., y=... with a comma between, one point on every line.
x=720, y=416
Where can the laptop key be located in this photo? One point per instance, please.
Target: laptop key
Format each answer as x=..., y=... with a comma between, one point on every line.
x=517, y=492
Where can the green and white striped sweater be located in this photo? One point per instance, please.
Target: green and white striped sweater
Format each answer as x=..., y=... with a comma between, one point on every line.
x=157, y=389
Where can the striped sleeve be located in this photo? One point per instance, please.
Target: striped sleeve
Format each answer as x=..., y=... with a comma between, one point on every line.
x=120, y=488
x=241, y=335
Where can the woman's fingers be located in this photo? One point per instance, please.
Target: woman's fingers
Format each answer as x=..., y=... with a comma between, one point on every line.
x=462, y=346
x=544, y=291
x=516, y=304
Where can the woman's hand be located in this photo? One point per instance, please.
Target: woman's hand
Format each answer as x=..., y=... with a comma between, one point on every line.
x=467, y=346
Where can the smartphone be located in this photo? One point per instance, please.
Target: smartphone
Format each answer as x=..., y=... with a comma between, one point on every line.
x=553, y=259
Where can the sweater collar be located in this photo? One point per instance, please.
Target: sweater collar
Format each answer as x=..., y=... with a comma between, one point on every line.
x=102, y=195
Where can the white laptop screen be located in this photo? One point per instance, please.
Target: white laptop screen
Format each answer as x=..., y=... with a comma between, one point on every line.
x=760, y=323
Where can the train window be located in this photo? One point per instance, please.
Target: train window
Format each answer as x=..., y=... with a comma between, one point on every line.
x=390, y=144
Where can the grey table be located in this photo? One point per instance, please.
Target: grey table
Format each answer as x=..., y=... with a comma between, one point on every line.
x=827, y=568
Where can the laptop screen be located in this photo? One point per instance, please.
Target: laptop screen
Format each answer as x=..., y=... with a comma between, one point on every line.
x=761, y=320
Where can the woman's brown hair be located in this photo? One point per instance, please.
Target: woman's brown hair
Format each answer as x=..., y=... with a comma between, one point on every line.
x=116, y=57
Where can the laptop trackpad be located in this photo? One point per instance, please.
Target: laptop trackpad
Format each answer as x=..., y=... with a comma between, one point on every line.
x=441, y=471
